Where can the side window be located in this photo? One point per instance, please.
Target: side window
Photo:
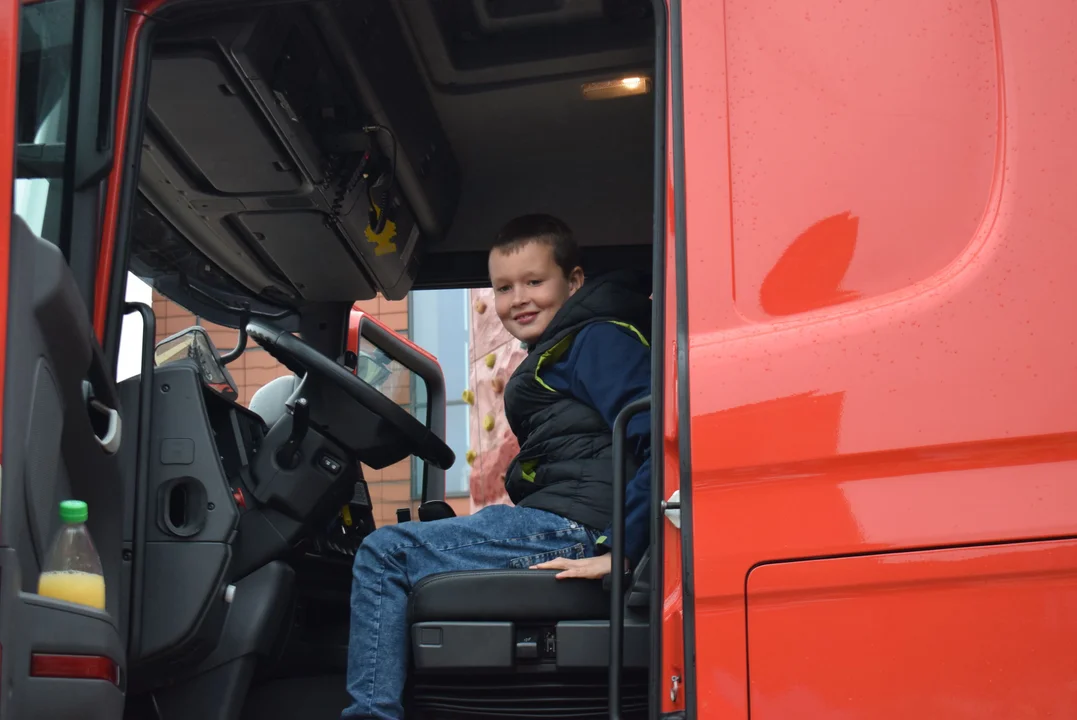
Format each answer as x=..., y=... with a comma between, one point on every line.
x=46, y=35
x=438, y=322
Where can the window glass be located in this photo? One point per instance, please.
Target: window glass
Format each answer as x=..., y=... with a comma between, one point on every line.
x=457, y=437
x=438, y=323
x=46, y=31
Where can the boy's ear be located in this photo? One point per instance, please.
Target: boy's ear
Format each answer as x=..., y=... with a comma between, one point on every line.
x=575, y=280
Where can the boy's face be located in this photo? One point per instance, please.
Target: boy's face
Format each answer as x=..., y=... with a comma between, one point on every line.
x=529, y=288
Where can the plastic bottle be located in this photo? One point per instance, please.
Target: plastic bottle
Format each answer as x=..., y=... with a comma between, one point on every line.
x=73, y=570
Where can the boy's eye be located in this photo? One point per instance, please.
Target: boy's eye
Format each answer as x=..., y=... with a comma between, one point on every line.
x=502, y=289
x=534, y=282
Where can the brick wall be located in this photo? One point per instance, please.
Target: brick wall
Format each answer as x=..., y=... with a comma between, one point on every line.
x=390, y=488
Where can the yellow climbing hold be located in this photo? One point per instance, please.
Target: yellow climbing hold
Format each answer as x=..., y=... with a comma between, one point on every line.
x=470, y=456
x=468, y=396
x=480, y=306
x=490, y=360
x=488, y=422
x=498, y=385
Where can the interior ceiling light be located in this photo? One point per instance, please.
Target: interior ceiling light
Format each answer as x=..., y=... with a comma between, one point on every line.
x=620, y=87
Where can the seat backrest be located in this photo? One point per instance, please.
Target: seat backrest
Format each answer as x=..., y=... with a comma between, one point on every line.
x=639, y=590
x=269, y=401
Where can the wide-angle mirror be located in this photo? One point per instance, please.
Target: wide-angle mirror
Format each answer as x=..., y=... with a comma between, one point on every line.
x=194, y=344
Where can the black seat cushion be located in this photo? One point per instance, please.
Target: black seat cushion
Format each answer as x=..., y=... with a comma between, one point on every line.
x=515, y=595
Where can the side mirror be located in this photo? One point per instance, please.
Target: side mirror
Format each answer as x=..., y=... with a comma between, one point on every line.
x=373, y=365
x=194, y=344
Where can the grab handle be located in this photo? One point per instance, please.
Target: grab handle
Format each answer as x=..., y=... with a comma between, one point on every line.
x=617, y=575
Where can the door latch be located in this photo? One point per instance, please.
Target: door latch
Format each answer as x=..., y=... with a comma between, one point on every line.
x=671, y=508
x=674, y=685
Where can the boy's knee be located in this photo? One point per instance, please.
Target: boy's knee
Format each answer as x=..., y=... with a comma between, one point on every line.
x=377, y=544
x=383, y=541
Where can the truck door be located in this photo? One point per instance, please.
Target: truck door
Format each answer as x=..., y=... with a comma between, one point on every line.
x=61, y=425
x=881, y=330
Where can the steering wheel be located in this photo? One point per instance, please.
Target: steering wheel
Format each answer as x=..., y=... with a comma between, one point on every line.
x=301, y=358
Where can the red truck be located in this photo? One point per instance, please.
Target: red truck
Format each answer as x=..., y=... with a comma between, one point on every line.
x=865, y=346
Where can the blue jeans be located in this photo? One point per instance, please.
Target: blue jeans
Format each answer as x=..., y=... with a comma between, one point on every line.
x=393, y=558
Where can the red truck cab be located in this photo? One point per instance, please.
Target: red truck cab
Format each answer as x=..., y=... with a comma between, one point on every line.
x=864, y=344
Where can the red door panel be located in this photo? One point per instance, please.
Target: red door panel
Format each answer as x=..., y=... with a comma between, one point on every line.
x=9, y=73
x=883, y=321
x=970, y=633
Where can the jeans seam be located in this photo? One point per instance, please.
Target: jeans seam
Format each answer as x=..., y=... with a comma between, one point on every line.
x=575, y=548
x=373, y=659
x=536, y=536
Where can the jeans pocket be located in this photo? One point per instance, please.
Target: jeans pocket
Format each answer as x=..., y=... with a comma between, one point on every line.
x=573, y=552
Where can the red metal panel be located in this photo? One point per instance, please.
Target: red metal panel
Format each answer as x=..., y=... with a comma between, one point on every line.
x=9, y=70
x=136, y=22
x=883, y=319
x=971, y=633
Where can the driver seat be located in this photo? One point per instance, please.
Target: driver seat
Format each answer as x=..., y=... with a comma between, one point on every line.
x=520, y=643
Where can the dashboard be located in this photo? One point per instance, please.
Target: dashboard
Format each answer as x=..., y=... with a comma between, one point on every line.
x=230, y=493
x=292, y=461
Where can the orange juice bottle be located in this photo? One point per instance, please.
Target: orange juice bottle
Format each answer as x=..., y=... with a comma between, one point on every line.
x=73, y=570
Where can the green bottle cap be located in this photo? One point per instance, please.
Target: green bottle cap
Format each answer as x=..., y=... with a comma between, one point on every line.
x=74, y=511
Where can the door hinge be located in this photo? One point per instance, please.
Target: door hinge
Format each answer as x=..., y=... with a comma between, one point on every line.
x=672, y=509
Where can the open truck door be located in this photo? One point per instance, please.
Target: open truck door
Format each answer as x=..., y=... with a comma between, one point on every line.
x=882, y=436
x=61, y=423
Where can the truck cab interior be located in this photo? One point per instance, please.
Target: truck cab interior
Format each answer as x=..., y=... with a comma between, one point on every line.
x=288, y=159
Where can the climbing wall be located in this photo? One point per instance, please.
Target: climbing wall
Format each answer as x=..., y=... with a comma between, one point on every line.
x=494, y=355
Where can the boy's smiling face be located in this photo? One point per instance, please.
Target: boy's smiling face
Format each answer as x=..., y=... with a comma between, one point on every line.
x=529, y=288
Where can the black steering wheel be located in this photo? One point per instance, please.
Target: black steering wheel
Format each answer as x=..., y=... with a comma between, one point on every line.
x=301, y=358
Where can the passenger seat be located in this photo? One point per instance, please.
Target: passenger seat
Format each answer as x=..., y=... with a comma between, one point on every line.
x=270, y=400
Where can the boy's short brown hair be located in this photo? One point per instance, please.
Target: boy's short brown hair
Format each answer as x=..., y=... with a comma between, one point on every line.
x=545, y=229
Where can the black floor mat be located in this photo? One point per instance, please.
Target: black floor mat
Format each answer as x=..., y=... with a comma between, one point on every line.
x=313, y=698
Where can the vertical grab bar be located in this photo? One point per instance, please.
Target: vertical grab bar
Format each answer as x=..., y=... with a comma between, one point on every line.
x=617, y=573
x=142, y=471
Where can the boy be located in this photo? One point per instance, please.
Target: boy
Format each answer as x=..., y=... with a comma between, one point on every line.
x=588, y=357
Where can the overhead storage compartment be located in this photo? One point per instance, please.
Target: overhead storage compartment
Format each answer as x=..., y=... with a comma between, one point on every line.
x=309, y=173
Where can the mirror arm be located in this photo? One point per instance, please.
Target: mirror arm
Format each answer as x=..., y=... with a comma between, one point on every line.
x=241, y=344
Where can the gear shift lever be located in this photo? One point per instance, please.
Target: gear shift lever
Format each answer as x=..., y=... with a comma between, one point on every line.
x=288, y=454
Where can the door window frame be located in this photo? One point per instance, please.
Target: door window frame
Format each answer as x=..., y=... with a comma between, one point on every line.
x=64, y=173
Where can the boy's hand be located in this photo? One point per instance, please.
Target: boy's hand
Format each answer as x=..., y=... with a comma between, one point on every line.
x=592, y=568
